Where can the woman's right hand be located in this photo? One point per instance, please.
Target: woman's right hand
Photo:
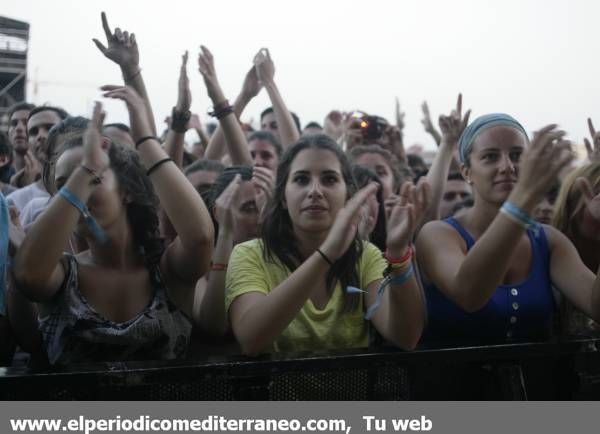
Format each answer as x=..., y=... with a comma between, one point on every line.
x=94, y=157
x=226, y=202
x=452, y=126
x=344, y=229
x=206, y=66
x=121, y=47
x=539, y=166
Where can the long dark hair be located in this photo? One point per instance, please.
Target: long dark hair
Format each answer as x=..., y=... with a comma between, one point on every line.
x=277, y=231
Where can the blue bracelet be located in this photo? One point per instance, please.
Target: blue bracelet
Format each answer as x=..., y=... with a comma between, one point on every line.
x=97, y=231
x=520, y=215
x=389, y=280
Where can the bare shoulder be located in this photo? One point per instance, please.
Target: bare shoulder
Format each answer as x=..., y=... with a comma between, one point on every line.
x=439, y=233
x=555, y=237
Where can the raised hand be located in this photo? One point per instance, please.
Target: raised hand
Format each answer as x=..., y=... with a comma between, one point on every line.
x=392, y=140
x=184, y=95
x=94, y=157
x=352, y=132
x=333, y=124
x=593, y=151
x=592, y=200
x=265, y=68
x=195, y=122
x=539, y=166
x=405, y=215
x=264, y=181
x=346, y=223
x=428, y=124
x=399, y=116
x=138, y=114
x=453, y=125
x=252, y=85
x=225, y=204
x=206, y=66
x=121, y=48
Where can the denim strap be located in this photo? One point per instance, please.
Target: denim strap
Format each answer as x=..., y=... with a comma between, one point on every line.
x=97, y=231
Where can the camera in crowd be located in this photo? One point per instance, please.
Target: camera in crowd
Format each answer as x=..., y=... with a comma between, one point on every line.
x=372, y=127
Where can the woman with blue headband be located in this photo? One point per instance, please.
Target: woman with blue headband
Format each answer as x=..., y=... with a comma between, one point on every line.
x=490, y=270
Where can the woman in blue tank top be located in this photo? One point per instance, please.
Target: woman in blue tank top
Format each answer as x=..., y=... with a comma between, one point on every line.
x=488, y=272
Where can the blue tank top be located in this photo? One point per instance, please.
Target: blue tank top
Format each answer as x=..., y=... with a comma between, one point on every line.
x=519, y=311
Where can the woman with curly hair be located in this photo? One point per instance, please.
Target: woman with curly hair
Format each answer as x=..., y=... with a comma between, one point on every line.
x=127, y=297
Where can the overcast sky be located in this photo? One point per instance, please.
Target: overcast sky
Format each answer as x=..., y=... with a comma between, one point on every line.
x=537, y=60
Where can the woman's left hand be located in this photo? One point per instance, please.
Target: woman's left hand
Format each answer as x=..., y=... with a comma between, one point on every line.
x=138, y=114
x=592, y=200
x=264, y=181
x=184, y=95
x=94, y=157
x=406, y=215
x=206, y=66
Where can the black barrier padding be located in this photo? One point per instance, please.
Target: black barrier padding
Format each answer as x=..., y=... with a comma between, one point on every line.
x=554, y=370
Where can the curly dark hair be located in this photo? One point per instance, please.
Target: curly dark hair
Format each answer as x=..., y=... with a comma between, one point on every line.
x=277, y=232
x=143, y=205
x=142, y=208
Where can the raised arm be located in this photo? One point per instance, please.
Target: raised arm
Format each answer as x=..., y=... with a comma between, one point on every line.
x=228, y=121
x=210, y=314
x=216, y=148
x=37, y=270
x=428, y=125
x=265, y=68
x=188, y=257
x=452, y=127
x=470, y=279
x=180, y=116
x=593, y=147
x=401, y=316
x=122, y=49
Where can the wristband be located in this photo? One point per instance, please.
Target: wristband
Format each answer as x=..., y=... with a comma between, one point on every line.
x=135, y=74
x=388, y=280
x=143, y=139
x=221, y=113
x=218, y=267
x=325, y=258
x=157, y=165
x=401, y=260
x=519, y=216
x=179, y=120
x=97, y=231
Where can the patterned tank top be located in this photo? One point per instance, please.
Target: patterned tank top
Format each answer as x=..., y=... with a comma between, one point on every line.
x=73, y=332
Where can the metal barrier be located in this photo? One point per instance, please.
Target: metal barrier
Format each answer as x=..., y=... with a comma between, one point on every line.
x=553, y=370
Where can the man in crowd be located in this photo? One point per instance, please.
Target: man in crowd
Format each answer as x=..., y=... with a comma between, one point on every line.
x=40, y=120
x=17, y=138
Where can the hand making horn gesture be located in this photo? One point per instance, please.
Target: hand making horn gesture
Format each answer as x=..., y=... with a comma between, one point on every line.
x=454, y=124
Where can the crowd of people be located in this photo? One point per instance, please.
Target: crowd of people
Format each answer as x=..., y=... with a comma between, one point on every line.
x=117, y=243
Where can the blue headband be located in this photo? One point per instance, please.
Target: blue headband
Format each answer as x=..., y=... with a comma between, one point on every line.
x=479, y=125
